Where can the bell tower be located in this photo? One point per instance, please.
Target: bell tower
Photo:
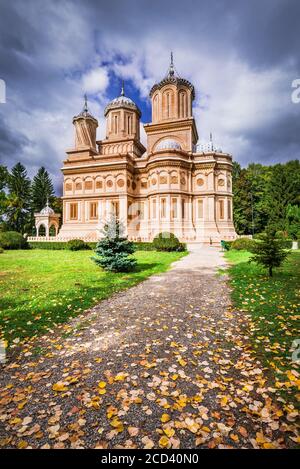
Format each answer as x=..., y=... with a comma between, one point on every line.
x=172, y=116
x=85, y=135
x=122, y=118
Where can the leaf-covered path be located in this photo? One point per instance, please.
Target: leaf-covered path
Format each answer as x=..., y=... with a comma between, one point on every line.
x=165, y=364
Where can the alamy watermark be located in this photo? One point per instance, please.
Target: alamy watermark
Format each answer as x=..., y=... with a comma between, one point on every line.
x=295, y=96
x=2, y=92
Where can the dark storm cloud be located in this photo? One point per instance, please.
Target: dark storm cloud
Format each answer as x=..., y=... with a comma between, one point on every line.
x=46, y=48
x=11, y=143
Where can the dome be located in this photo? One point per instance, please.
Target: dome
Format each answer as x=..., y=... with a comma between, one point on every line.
x=168, y=144
x=121, y=101
x=172, y=79
x=47, y=211
x=207, y=147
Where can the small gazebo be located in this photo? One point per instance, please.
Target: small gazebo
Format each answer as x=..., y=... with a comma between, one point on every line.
x=46, y=222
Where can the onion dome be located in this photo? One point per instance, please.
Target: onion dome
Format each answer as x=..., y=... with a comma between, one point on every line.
x=207, y=147
x=168, y=144
x=172, y=79
x=122, y=101
x=47, y=210
x=84, y=114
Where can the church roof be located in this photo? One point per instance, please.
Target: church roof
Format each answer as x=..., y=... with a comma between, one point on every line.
x=173, y=79
x=122, y=101
x=47, y=210
x=85, y=112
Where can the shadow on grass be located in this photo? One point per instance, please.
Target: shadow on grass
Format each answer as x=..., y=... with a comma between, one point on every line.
x=145, y=266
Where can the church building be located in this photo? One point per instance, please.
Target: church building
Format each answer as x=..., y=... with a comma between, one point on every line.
x=171, y=185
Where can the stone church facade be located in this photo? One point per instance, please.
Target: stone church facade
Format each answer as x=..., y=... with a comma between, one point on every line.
x=171, y=185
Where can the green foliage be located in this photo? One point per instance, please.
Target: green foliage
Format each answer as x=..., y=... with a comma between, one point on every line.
x=293, y=220
x=12, y=240
x=3, y=195
x=60, y=245
x=242, y=244
x=141, y=246
x=283, y=190
x=41, y=190
x=56, y=245
x=1, y=250
x=19, y=200
x=249, y=203
x=168, y=242
x=114, y=249
x=77, y=245
x=265, y=193
x=269, y=251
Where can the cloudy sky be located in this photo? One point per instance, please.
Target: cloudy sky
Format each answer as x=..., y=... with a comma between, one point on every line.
x=242, y=57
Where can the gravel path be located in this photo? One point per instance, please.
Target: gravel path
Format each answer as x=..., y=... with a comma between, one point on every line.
x=166, y=364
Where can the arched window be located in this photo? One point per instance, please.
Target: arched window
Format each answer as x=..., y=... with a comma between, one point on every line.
x=52, y=230
x=129, y=125
x=167, y=103
x=42, y=230
x=115, y=124
x=182, y=104
x=155, y=108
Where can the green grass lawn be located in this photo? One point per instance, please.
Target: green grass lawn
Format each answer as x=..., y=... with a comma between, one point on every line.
x=274, y=305
x=40, y=288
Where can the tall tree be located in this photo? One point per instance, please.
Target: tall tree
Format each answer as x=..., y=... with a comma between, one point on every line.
x=242, y=210
x=258, y=176
x=283, y=190
x=42, y=189
x=19, y=199
x=3, y=195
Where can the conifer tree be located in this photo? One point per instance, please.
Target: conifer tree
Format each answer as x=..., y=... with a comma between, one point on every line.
x=3, y=196
x=269, y=251
x=42, y=189
x=19, y=199
x=114, y=249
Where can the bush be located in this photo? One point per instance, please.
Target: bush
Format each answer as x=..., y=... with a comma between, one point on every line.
x=1, y=250
x=12, y=240
x=77, y=245
x=143, y=246
x=57, y=245
x=243, y=244
x=168, y=242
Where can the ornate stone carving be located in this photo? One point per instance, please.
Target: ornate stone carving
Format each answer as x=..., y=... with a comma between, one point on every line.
x=163, y=180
